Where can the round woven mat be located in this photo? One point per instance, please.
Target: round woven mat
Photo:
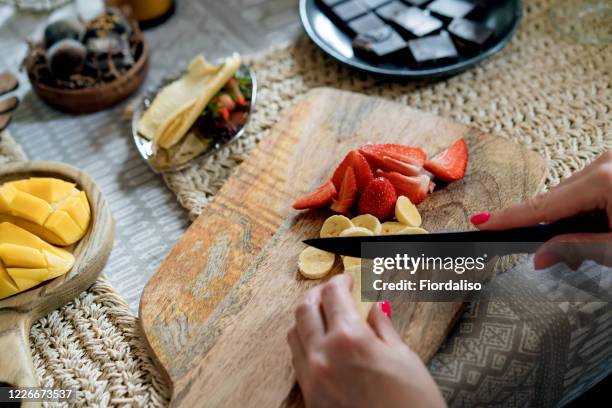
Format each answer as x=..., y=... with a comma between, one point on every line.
x=546, y=90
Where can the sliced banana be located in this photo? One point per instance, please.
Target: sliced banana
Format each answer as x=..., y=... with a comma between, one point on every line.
x=367, y=221
x=391, y=228
x=406, y=212
x=363, y=307
x=356, y=232
x=334, y=225
x=412, y=230
x=350, y=261
x=314, y=263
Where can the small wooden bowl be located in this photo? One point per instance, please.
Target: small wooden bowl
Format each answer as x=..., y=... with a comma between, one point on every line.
x=17, y=312
x=98, y=97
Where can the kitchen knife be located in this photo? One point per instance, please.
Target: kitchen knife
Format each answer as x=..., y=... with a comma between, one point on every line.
x=524, y=239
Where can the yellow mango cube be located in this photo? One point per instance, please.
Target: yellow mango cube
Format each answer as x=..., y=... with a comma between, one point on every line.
x=26, y=260
x=27, y=278
x=77, y=208
x=62, y=225
x=7, y=194
x=49, y=189
x=51, y=208
x=19, y=255
x=31, y=208
x=8, y=287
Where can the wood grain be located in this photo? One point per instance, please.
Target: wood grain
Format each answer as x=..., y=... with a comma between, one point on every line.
x=91, y=252
x=217, y=311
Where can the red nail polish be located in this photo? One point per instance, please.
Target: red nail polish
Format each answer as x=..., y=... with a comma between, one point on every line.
x=545, y=259
x=385, y=306
x=480, y=218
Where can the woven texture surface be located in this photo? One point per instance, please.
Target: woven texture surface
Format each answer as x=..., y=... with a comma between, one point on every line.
x=544, y=90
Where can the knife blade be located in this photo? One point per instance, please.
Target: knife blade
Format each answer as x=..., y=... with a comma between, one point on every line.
x=531, y=237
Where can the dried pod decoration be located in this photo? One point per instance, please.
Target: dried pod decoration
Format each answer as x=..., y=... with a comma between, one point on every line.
x=76, y=55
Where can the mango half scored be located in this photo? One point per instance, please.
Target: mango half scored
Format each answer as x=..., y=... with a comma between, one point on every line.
x=26, y=260
x=51, y=208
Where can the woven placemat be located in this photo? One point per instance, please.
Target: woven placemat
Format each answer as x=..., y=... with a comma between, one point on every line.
x=545, y=90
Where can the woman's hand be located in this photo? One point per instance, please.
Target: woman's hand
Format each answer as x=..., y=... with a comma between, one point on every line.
x=342, y=361
x=586, y=190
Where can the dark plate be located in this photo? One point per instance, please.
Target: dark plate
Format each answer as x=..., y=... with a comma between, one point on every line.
x=503, y=18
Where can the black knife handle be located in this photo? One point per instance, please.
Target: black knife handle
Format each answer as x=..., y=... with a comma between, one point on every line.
x=587, y=222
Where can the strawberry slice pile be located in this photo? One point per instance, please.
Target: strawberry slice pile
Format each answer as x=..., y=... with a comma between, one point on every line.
x=371, y=178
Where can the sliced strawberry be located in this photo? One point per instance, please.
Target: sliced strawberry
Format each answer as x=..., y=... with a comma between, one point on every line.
x=415, y=188
x=375, y=154
x=407, y=169
x=340, y=171
x=360, y=165
x=378, y=199
x=450, y=164
x=321, y=197
x=363, y=172
x=347, y=194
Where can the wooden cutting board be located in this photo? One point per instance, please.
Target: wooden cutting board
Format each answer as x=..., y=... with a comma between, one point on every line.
x=217, y=311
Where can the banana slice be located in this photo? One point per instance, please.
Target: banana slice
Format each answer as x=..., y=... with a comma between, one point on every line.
x=334, y=225
x=406, y=212
x=314, y=263
x=391, y=228
x=350, y=261
x=413, y=230
x=356, y=232
x=363, y=307
x=367, y=221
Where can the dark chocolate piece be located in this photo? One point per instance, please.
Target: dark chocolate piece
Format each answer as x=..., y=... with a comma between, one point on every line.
x=365, y=23
x=380, y=44
x=417, y=2
x=433, y=49
x=450, y=9
x=349, y=10
x=469, y=34
x=389, y=11
x=331, y=3
x=372, y=4
x=417, y=23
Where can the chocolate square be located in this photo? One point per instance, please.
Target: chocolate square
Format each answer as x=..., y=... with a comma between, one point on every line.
x=389, y=11
x=415, y=22
x=349, y=10
x=450, y=9
x=417, y=2
x=372, y=4
x=331, y=3
x=365, y=23
x=432, y=49
x=380, y=44
x=469, y=34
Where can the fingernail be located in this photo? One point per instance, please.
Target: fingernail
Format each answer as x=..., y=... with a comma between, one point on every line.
x=545, y=259
x=480, y=218
x=385, y=306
